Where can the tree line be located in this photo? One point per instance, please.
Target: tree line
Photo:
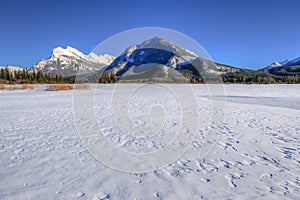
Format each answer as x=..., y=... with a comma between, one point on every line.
x=38, y=77
x=35, y=77
x=260, y=78
x=245, y=77
x=108, y=77
x=26, y=77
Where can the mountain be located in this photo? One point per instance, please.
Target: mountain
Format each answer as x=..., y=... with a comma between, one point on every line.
x=68, y=61
x=276, y=64
x=157, y=59
x=293, y=62
x=284, y=68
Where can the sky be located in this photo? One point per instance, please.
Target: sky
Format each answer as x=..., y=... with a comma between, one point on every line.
x=245, y=33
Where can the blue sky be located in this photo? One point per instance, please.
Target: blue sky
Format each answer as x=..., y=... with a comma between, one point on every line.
x=244, y=33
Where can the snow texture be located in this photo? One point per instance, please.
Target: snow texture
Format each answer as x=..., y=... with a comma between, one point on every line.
x=256, y=157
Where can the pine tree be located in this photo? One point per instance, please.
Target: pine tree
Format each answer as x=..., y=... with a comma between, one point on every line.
x=6, y=74
x=60, y=79
x=56, y=78
x=113, y=78
x=2, y=74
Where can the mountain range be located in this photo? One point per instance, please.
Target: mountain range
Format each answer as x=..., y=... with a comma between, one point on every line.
x=155, y=59
x=284, y=68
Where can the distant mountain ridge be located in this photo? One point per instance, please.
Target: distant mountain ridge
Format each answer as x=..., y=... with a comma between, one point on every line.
x=293, y=62
x=284, y=68
x=276, y=64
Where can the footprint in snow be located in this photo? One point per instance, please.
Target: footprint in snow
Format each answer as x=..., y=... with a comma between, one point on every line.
x=101, y=196
x=78, y=194
x=158, y=195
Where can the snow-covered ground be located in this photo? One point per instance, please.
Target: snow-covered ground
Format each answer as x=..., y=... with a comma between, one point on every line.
x=257, y=155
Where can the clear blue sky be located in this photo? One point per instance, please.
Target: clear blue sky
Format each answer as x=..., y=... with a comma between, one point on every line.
x=244, y=33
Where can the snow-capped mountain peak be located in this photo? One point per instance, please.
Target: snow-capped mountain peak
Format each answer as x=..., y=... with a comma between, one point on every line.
x=68, y=51
x=68, y=61
x=277, y=64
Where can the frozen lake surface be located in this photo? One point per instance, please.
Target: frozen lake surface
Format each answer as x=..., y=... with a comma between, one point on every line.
x=256, y=156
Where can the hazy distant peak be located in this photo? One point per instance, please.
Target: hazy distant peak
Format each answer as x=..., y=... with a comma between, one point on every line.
x=155, y=39
x=158, y=43
x=104, y=59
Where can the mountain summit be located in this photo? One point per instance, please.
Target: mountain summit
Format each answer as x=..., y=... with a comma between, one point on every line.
x=159, y=59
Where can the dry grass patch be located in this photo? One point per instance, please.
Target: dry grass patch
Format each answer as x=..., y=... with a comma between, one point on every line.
x=59, y=87
x=27, y=87
x=12, y=87
x=82, y=87
x=17, y=87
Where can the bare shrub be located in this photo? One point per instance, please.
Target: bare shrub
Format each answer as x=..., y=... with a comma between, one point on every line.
x=82, y=87
x=59, y=87
x=27, y=87
x=12, y=87
x=2, y=87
